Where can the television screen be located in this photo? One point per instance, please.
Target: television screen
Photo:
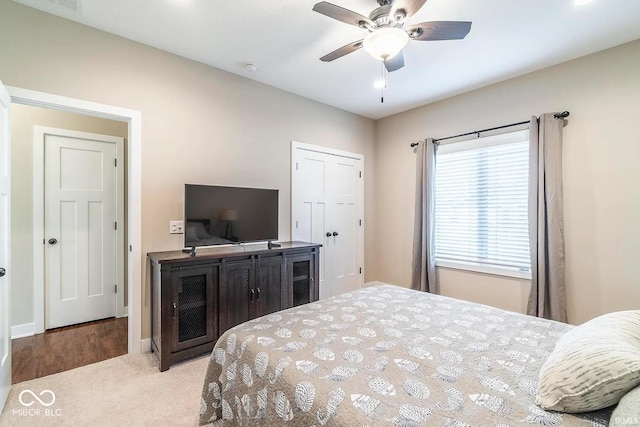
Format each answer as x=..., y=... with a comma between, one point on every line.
x=216, y=215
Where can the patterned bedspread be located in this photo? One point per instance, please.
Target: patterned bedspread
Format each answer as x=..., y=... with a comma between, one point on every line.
x=384, y=355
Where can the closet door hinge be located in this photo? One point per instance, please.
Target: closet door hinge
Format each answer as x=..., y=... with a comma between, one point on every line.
x=115, y=162
x=360, y=270
x=360, y=174
x=116, y=288
x=115, y=225
x=360, y=222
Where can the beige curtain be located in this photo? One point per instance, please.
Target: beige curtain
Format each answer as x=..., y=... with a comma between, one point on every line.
x=547, y=297
x=424, y=268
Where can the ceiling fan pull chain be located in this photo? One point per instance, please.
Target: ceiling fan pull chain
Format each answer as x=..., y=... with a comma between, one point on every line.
x=384, y=81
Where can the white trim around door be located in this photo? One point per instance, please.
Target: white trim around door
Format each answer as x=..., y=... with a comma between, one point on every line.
x=134, y=194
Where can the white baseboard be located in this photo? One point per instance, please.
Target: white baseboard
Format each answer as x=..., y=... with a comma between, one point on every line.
x=21, y=331
x=145, y=345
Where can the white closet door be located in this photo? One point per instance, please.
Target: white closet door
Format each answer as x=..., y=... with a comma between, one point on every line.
x=309, y=207
x=326, y=208
x=343, y=185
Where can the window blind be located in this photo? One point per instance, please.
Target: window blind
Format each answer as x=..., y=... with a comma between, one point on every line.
x=481, y=197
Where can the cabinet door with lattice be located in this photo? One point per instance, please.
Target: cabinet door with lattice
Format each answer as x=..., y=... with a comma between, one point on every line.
x=192, y=307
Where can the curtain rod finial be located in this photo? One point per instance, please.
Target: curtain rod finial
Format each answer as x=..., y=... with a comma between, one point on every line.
x=562, y=115
x=414, y=144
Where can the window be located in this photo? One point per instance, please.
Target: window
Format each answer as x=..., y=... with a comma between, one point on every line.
x=481, y=198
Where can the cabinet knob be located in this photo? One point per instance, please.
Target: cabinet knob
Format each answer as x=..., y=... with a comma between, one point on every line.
x=335, y=233
x=253, y=294
x=175, y=310
x=328, y=234
x=258, y=292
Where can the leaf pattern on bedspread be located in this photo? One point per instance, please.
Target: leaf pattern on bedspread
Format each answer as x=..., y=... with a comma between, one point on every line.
x=266, y=341
x=305, y=395
x=541, y=417
x=231, y=343
x=367, y=404
x=416, y=388
x=414, y=413
x=262, y=362
x=382, y=386
x=282, y=365
x=353, y=356
x=341, y=373
x=246, y=405
x=455, y=401
x=335, y=399
x=307, y=366
x=247, y=375
x=497, y=384
x=407, y=365
x=261, y=401
x=283, y=406
x=384, y=355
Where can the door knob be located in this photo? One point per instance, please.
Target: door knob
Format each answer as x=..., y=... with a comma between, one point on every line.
x=328, y=234
x=53, y=241
x=335, y=233
x=2, y=272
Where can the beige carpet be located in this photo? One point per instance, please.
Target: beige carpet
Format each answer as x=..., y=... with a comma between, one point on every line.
x=124, y=391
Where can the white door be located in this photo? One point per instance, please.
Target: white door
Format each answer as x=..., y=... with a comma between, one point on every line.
x=309, y=207
x=5, y=244
x=80, y=229
x=327, y=208
x=344, y=187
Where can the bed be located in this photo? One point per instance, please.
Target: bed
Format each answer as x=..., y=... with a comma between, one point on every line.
x=384, y=355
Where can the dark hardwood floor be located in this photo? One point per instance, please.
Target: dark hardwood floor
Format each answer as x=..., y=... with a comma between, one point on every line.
x=66, y=348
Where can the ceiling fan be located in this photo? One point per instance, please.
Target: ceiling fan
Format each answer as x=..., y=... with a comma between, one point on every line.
x=388, y=31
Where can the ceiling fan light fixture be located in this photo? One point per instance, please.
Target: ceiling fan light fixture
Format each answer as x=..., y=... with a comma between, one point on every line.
x=380, y=84
x=385, y=43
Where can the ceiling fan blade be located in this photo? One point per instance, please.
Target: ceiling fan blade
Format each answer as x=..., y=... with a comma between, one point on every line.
x=340, y=52
x=410, y=7
x=395, y=63
x=438, y=30
x=341, y=14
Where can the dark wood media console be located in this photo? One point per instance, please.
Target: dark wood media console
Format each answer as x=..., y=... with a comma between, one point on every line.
x=195, y=299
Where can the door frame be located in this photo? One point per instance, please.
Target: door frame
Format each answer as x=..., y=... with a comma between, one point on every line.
x=39, y=266
x=295, y=145
x=5, y=359
x=134, y=192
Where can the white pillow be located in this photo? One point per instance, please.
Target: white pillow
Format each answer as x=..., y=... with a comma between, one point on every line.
x=628, y=410
x=593, y=365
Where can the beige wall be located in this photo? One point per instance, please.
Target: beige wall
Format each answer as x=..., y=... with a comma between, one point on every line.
x=601, y=178
x=199, y=124
x=23, y=119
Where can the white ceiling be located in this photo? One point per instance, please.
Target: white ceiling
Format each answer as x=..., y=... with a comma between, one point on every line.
x=285, y=38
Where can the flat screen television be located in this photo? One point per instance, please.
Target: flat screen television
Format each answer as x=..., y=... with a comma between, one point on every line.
x=217, y=215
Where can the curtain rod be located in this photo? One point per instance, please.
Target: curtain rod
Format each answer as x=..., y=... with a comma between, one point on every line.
x=562, y=115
